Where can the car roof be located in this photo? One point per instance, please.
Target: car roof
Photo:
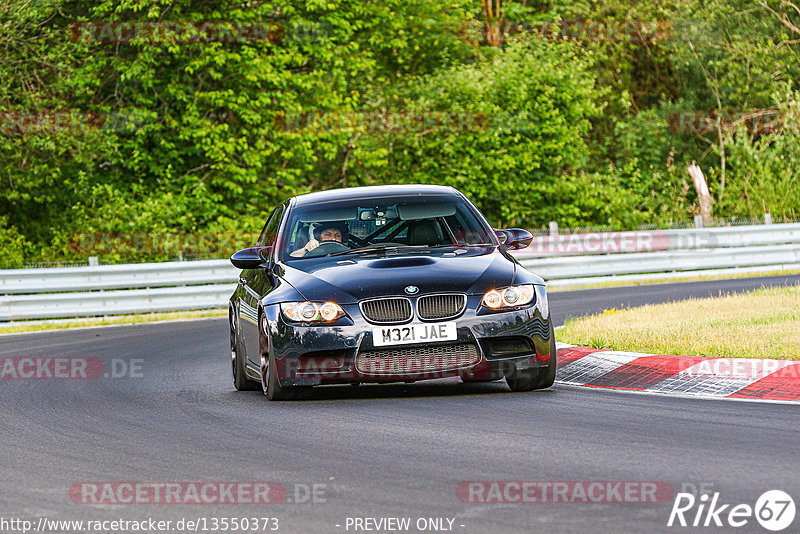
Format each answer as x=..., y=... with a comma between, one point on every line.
x=378, y=191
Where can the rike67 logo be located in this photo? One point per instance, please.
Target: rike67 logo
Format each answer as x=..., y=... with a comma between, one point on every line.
x=774, y=510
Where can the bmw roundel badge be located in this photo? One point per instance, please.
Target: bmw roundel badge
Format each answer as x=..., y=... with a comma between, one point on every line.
x=412, y=290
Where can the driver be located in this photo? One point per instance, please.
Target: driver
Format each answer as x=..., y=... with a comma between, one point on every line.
x=325, y=232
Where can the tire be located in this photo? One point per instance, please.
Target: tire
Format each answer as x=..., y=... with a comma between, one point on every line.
x=539, y=378
x=240, y=380
x=272, y=387
x=523, y=380
x=548, y=376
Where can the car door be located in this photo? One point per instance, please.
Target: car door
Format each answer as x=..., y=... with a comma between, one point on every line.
x=257, y=283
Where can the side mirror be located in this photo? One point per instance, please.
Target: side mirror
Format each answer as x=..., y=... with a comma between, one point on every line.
x=517, y=238
x=501, y=235
x=250, y=258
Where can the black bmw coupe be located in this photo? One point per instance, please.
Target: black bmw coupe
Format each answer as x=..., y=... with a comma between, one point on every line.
x=386, y=284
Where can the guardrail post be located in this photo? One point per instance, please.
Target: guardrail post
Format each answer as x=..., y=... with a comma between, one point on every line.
x=767, y=218
x=553, y=228
x=698, y=221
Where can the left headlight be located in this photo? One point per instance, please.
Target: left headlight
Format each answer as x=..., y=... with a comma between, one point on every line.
x=508, y=297
x=311, y=312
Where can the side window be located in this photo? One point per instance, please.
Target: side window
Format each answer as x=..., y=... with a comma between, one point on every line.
x=270, y=232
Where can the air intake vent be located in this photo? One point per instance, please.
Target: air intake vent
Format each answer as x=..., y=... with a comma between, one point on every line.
x=386, y=311
x=440, y=306
x=408, y=362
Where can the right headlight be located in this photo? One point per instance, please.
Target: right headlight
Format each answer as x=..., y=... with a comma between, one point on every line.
x=508, y=297
x=312, y=312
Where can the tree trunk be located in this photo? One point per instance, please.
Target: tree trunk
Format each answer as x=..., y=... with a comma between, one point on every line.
x=492, y=21
x=702, y=192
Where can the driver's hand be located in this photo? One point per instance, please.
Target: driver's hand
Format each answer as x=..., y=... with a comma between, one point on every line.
x=311, y=245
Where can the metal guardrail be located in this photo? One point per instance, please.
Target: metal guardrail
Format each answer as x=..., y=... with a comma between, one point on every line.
x=115, y=289
x=565, y=267
x=577, y=259
x=98, y=303
x=661, y=240
x=21, y=281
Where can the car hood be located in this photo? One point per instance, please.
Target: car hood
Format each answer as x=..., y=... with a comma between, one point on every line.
x=348, y=279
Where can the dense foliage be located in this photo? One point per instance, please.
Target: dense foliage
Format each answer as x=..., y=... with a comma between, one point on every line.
x=585, y=113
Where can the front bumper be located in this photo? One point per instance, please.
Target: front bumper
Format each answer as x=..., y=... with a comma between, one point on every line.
x=489, y=345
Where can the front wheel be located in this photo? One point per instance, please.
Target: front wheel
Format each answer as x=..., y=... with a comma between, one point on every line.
x=523, y=380
x=548, y=376
x=539, y=378
x=271, y=385
x=240, y=380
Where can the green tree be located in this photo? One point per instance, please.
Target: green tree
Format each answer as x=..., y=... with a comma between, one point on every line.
x=526, y=160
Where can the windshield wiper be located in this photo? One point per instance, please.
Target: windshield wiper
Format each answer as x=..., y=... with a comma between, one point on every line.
x=383, y=248
x=368, y=248
x=452, y=245
x=456, y=245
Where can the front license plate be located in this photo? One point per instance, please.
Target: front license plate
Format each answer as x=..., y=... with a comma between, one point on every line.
x=414, y=333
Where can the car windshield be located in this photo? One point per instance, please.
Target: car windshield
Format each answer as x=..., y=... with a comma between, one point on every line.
x=371, y=225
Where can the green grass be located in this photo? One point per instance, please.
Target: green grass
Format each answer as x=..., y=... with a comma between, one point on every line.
x=764, y=323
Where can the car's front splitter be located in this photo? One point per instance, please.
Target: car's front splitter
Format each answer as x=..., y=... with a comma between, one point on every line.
x=343, y=353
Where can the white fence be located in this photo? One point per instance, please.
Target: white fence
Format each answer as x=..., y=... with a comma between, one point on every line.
x=582, y=259
x=115, y=289
x=662, y=240
x=96, y=303
x=19, y=281
x=561, y=260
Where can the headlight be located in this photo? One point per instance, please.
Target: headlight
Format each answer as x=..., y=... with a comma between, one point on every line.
x=508, y=297
x=311, y=312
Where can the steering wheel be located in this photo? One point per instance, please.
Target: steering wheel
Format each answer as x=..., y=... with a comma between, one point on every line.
x=325, y=248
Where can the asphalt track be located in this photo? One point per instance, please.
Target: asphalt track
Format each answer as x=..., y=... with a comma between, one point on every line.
x=380, y=451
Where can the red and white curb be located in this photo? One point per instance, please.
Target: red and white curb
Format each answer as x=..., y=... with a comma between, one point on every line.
x=733, y=378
